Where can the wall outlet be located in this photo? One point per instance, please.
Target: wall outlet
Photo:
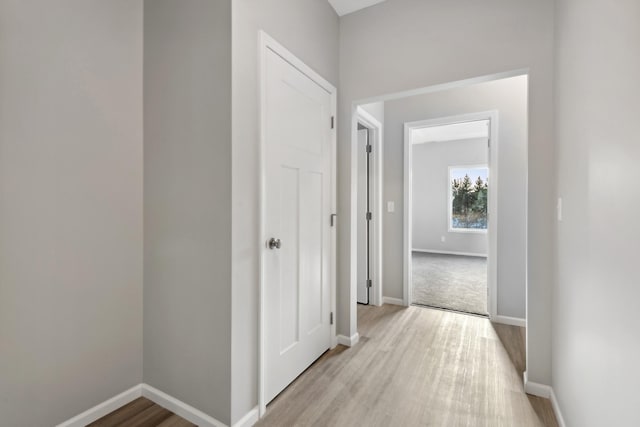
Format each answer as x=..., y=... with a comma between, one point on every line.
x=391, y=207
x=442, y=239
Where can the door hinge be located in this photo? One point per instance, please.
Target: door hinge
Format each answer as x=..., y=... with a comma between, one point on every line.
x=369, y=216
x=368, y=148
x=331, y=318
x=333, y=120
x=369, y=283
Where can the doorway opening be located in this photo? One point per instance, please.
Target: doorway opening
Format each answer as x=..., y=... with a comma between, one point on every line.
x=364, y=214
x=448, y=207
x=369, y=205
x=480, y=99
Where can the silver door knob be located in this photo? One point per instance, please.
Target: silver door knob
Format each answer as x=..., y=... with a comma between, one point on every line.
x=274, y=243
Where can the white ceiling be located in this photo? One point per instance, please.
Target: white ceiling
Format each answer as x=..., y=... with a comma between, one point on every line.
x=344, y=7
x=453, y=132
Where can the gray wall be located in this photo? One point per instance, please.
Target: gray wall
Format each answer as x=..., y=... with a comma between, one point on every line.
x=509, y=98
x=595, y=311
x=308, y=28
x=187, y=193
x=431, y=189
x=376, y=109
x=71, y=203
x=405, y=44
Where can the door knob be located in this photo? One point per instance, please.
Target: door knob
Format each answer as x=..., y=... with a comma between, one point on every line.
x=274, y=243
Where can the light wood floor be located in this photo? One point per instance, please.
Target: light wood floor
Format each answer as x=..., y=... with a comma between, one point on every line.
x=416, y=366
x=142, y=413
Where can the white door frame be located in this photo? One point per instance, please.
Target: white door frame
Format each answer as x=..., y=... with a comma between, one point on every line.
x=267, y=43
x=492, y=265
x=376, y=141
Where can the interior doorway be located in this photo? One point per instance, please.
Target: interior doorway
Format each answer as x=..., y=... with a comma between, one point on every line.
x=451, y=212
x=365, y=216
x=449, y=201
x=504, y=95
x=369, y=206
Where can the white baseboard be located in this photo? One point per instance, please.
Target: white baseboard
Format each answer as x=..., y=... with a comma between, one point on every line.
x=556, y=410
x=176, y=406
x=349, y=341
x=506, y=320
x=104, y=408
x=434, y=251
x=249, y=419
x=180, y=408
x=392, y=301
x=542, y=390
x=536, y=389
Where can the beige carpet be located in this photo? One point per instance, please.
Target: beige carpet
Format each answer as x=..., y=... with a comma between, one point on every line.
x=450, y=281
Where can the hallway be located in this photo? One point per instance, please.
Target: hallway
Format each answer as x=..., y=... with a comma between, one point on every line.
x=415, y=366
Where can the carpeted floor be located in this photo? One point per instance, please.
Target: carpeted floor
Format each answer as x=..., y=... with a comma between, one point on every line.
x=450, y=281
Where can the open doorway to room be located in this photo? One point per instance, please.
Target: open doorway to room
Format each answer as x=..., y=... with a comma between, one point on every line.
x=369, y=199
x=493, y=111
x=448, y=205
x=497, y=105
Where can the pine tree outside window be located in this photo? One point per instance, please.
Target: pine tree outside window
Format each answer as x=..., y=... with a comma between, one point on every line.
x=469, y=187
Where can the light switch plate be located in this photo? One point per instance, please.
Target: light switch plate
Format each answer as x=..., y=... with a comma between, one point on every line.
x=391, y=207
x=559, y=209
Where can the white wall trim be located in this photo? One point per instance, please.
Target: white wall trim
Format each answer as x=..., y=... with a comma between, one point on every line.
x=265, y=43
x=104, y=408
x=556, y=409
x=249, y=419
x=392, y=301
x=176, y=406
x=180, y=408
x=434, y=251
x=349, y=341
x=506, y=320
x=492, y=265
x=536, y=389
x=369, y=121
x=547, y=392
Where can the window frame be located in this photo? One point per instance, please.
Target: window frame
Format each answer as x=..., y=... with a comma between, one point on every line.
x=450, y=228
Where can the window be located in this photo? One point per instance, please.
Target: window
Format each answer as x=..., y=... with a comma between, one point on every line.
x=468, y=198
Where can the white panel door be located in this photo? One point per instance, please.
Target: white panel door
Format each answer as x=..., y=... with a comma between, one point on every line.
x=297, y=205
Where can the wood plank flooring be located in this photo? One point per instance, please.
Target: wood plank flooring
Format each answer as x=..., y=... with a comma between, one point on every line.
x=416, y=366
x=413, y=366
x=141, y=413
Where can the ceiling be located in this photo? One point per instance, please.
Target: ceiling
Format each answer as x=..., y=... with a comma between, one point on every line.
x=453, y=132
x=343, y=7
